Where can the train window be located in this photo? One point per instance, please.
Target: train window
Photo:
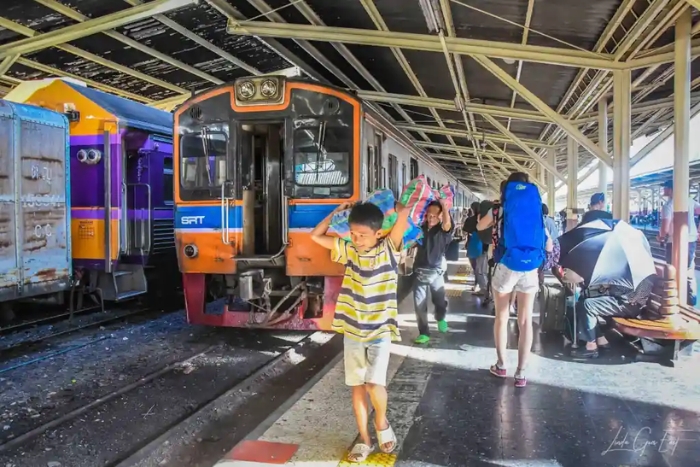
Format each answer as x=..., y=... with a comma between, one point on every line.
x=168, y=180
x=394, y=174
x=322, y=154
x=203, y=162
x=414, y=168
x=372, y=169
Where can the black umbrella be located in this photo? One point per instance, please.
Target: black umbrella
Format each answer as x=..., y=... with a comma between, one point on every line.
x=620, y=256
x=578, y=234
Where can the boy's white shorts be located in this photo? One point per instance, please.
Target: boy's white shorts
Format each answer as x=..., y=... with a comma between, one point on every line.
x=366, y=362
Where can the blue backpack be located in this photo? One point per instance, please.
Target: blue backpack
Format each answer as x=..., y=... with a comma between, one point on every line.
x=475, y=246
x=523, y=235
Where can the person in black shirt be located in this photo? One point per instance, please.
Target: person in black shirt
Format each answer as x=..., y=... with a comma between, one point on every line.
x=429, y=269
x=597, y=210
x=477, y=252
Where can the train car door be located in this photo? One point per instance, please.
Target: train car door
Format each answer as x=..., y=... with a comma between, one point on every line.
x=43, y=215
x=9, y=271
x=139, y=203
x=260, y=149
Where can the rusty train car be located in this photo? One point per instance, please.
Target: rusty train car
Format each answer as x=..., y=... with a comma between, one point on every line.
x=258, y=163
x=119, y=163
x=35, y=249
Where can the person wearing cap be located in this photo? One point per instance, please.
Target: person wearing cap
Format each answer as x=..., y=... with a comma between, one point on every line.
x=666, y=235
x=597, y=210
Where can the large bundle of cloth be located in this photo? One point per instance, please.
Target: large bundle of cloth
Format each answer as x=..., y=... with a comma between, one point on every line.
x=447, y=195
x=384, y=200
x=416, y=196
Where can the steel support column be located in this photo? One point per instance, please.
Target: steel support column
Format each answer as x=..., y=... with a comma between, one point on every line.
x=572, y=188
x=622, y=113
x=681, y=159
x=551, y=182
x=603, y=143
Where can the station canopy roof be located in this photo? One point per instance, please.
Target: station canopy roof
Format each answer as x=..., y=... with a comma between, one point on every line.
x=483, y=86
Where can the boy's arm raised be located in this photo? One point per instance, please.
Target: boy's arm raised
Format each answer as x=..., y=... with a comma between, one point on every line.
x=401, y=226
x=318, y=234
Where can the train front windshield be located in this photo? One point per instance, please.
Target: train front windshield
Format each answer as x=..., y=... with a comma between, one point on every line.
x=322, y=158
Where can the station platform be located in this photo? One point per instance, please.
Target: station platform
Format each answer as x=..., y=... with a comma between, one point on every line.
x=448, y=410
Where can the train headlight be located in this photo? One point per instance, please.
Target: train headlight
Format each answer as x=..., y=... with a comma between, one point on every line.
x=246, y=90
x=94, y=156
x=82, y=155
x=191, y=251
x=268, y=88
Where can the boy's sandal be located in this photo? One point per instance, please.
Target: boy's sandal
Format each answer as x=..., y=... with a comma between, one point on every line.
x=385, y=437
x=360, y=452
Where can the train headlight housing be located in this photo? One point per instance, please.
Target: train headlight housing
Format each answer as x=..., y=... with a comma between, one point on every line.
x=191, y=251
x=246, y=90
x=268, y=88
x=94, y=156
x=82, y=156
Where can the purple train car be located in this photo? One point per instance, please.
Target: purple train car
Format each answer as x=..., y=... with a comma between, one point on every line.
x=121, y=187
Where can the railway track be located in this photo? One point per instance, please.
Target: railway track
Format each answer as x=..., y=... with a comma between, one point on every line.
x=24, y=345
x=178, y=397
x=25, y=325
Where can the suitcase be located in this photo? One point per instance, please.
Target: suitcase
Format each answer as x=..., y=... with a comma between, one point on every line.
x=552, y=303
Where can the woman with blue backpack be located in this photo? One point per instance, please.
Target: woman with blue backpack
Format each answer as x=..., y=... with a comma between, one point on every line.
x=521, y=243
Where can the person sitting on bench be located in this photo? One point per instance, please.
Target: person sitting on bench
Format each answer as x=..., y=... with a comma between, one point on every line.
x=605, y=302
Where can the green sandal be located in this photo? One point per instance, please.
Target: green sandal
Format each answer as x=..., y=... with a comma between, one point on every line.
x=442, y=326
x=422, y=339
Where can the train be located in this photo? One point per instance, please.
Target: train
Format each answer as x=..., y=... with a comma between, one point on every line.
x=257, y=164
x=86, y=194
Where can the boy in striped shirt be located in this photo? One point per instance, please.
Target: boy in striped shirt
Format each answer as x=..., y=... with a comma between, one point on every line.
x=366, y=313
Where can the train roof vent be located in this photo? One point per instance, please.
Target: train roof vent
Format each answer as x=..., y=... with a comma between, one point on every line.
x=196, y=112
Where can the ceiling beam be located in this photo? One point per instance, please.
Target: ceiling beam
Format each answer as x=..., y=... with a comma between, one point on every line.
x=464, y=133
x=521, y=144
x=199, y=40
x=20, y=29
x=659, y=58
x=468, y=160
x=95, y=84
x=540, y=105
x=445, y=104
x=551, y=55
x=694, y=3
x=93, y=26
x=468, y=150
x=75, y=15
x=506, y=156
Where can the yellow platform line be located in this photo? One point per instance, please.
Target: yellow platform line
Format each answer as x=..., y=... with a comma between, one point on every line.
x=376, y=459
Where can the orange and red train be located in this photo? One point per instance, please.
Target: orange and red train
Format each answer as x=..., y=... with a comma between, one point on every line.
x=257, y=164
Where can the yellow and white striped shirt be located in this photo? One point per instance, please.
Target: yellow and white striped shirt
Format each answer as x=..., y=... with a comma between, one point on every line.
x=366, y=309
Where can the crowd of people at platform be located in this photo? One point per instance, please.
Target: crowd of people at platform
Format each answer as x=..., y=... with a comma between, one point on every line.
x=511, y=242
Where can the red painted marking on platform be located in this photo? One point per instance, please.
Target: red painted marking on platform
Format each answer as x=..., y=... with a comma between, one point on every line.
x=262, y=451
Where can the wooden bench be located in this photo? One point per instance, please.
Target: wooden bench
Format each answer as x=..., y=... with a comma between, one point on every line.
x=667, y=329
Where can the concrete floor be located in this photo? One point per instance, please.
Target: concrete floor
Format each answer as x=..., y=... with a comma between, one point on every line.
x=447, y=410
